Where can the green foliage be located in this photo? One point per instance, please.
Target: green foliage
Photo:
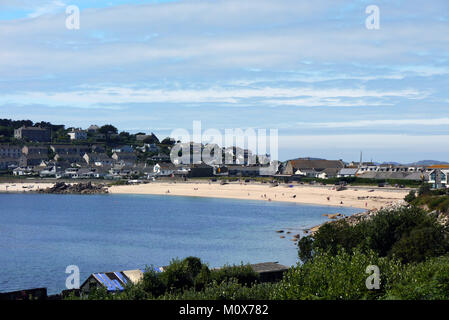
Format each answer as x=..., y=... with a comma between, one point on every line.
x=152, y=282
x=424, y=189
x=168, y=141
x=151, y=139
x=244, y=274
x=419, y=244
x=407, y=232
x=229, y=290
x=424, y=281
x=337, y=277
x=180, y=274
x=434, y=201
x=411, y=196
x=107, y=128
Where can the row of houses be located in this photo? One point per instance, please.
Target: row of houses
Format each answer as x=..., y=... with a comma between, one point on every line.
x=13, y=156
x=41, y=134
x=437, y=175
x=93, y=162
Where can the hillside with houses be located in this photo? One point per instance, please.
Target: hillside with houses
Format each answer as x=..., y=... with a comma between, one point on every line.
x=46, y=150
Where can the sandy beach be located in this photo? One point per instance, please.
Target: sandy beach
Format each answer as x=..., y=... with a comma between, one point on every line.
x=363, y=197
x=356, y=197
x=24, y=187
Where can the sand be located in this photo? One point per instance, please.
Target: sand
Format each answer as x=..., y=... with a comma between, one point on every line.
x=24, y=187
x=363, y=197
x=356, y=197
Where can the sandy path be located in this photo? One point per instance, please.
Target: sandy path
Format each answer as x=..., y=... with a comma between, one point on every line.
x=296, y=194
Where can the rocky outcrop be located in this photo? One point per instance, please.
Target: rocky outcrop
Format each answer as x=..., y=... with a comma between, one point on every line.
x=77, y=188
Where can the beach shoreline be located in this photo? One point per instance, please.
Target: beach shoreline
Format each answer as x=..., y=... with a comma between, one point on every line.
x=365, y=198
x=355, y=197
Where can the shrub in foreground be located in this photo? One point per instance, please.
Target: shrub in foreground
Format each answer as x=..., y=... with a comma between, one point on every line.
x=337, y=277
x=409, y=233
x=428, y=280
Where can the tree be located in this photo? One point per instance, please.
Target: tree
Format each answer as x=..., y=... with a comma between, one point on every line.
x=411, y=196
x=108, y=128
x=151, y=139
x=168, y=141
x=424, y=189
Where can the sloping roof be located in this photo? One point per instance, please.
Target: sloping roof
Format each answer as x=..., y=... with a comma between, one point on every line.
x=348, y=171
x=316, y=164
x=331, y=171
x=268, y=267
x=125, y=155
x=394, y=175
x=98, y=157
x=117, y=280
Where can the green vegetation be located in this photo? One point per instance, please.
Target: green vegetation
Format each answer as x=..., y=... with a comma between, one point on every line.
x=337, y=276
x=407, y=233
x=434, y=200
x=340, y=276
x=191, y=279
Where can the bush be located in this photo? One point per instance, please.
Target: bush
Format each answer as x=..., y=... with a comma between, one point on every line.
x=408, y=232
x=180, y=274
x=411, y=196
x=244, y=274
x=424, y=189
x=227, y=290
x=202, y=279
x=419, y=244
x=337, y=277
x=151, y=283
x=428, y=280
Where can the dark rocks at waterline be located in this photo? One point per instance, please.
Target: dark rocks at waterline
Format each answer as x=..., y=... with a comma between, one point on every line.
x=77, y=188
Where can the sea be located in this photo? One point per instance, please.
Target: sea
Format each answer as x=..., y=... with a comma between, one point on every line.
x=41, y=235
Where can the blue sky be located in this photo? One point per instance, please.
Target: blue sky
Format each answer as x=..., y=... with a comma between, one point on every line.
x=310, y=69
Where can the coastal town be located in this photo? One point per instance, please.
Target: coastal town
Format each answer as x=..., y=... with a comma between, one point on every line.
x=43, y=150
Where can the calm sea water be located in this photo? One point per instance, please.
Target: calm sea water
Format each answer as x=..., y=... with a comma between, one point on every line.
x=40, y=235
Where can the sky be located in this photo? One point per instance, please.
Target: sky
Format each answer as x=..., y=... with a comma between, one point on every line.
x=310, y=69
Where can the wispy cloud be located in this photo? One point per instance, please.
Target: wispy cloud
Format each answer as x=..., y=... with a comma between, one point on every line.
x=377, y=123
x=92, y=96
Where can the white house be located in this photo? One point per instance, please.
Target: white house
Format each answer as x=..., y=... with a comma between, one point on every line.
x=124, y=149
x=77, y=134
x=347, y=172
x=439, y=178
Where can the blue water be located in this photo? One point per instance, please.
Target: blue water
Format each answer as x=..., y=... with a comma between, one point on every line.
x=40, y=235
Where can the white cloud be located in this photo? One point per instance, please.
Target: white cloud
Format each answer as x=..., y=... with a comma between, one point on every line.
x=376, y=123
x=91, y=96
